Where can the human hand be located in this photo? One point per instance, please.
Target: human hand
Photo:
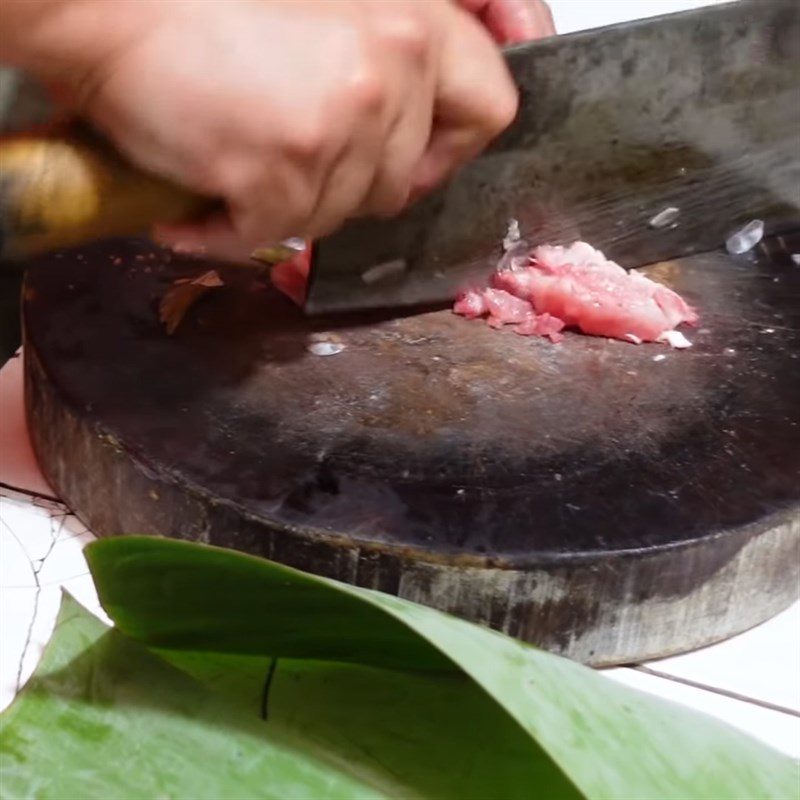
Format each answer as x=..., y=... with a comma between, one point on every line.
x=297, y=114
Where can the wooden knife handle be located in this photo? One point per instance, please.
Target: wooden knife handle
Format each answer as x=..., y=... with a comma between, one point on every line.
x=64, y=189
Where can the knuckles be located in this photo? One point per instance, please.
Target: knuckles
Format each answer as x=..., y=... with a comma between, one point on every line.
x=501, y=112
x=408, y=35
x=304, y=140
x=366, y=91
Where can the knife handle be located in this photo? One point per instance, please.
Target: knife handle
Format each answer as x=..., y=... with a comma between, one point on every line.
x=67, y=188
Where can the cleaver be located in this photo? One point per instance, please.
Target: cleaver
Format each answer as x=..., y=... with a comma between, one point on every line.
x=652, y=140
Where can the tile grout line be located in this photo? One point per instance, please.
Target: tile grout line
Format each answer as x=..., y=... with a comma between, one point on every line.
x=31, y=493
x=36, y=598
x=723, y=692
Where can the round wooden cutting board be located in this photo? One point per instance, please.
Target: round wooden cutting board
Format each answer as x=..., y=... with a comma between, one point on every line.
x=606, y=501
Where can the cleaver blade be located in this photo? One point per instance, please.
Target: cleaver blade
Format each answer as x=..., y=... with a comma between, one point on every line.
x=651, y=139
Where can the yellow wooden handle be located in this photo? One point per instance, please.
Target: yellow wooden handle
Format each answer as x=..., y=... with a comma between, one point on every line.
x=65, y=189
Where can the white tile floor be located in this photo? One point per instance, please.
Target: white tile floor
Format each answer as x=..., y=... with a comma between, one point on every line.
x=751, y=681
x=40, y=553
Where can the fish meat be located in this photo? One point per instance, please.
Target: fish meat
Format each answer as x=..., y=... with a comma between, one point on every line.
x=551, y=289
x=505, y=308
x=578, y=287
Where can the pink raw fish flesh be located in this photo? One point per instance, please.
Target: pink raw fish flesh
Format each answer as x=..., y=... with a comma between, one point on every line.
x=578, y=287
x=560, y=287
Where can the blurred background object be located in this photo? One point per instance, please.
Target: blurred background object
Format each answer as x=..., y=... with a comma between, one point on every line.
x=23, y=104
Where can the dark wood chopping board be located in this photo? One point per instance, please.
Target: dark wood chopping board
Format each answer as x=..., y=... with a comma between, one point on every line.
x=606, y=501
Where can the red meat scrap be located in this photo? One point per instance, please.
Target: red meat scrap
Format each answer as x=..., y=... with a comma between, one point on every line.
x=291, y=277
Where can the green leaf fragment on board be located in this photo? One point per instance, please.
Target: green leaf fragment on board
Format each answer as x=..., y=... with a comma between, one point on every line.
x=608, y=740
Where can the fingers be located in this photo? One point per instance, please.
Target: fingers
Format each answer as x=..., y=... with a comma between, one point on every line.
x=405, y=145
x=373, y=175
x=214, y=236
x=391, y=110
x=513, y=21
x=475, y=101
x=344, y=188
x=350, y=174
x=413, y=73
x=354, y=106
x=477, y=84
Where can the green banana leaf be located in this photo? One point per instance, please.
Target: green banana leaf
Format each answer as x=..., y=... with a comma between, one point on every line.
x=610, y=741
x=104, y=717
x=364, y=695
